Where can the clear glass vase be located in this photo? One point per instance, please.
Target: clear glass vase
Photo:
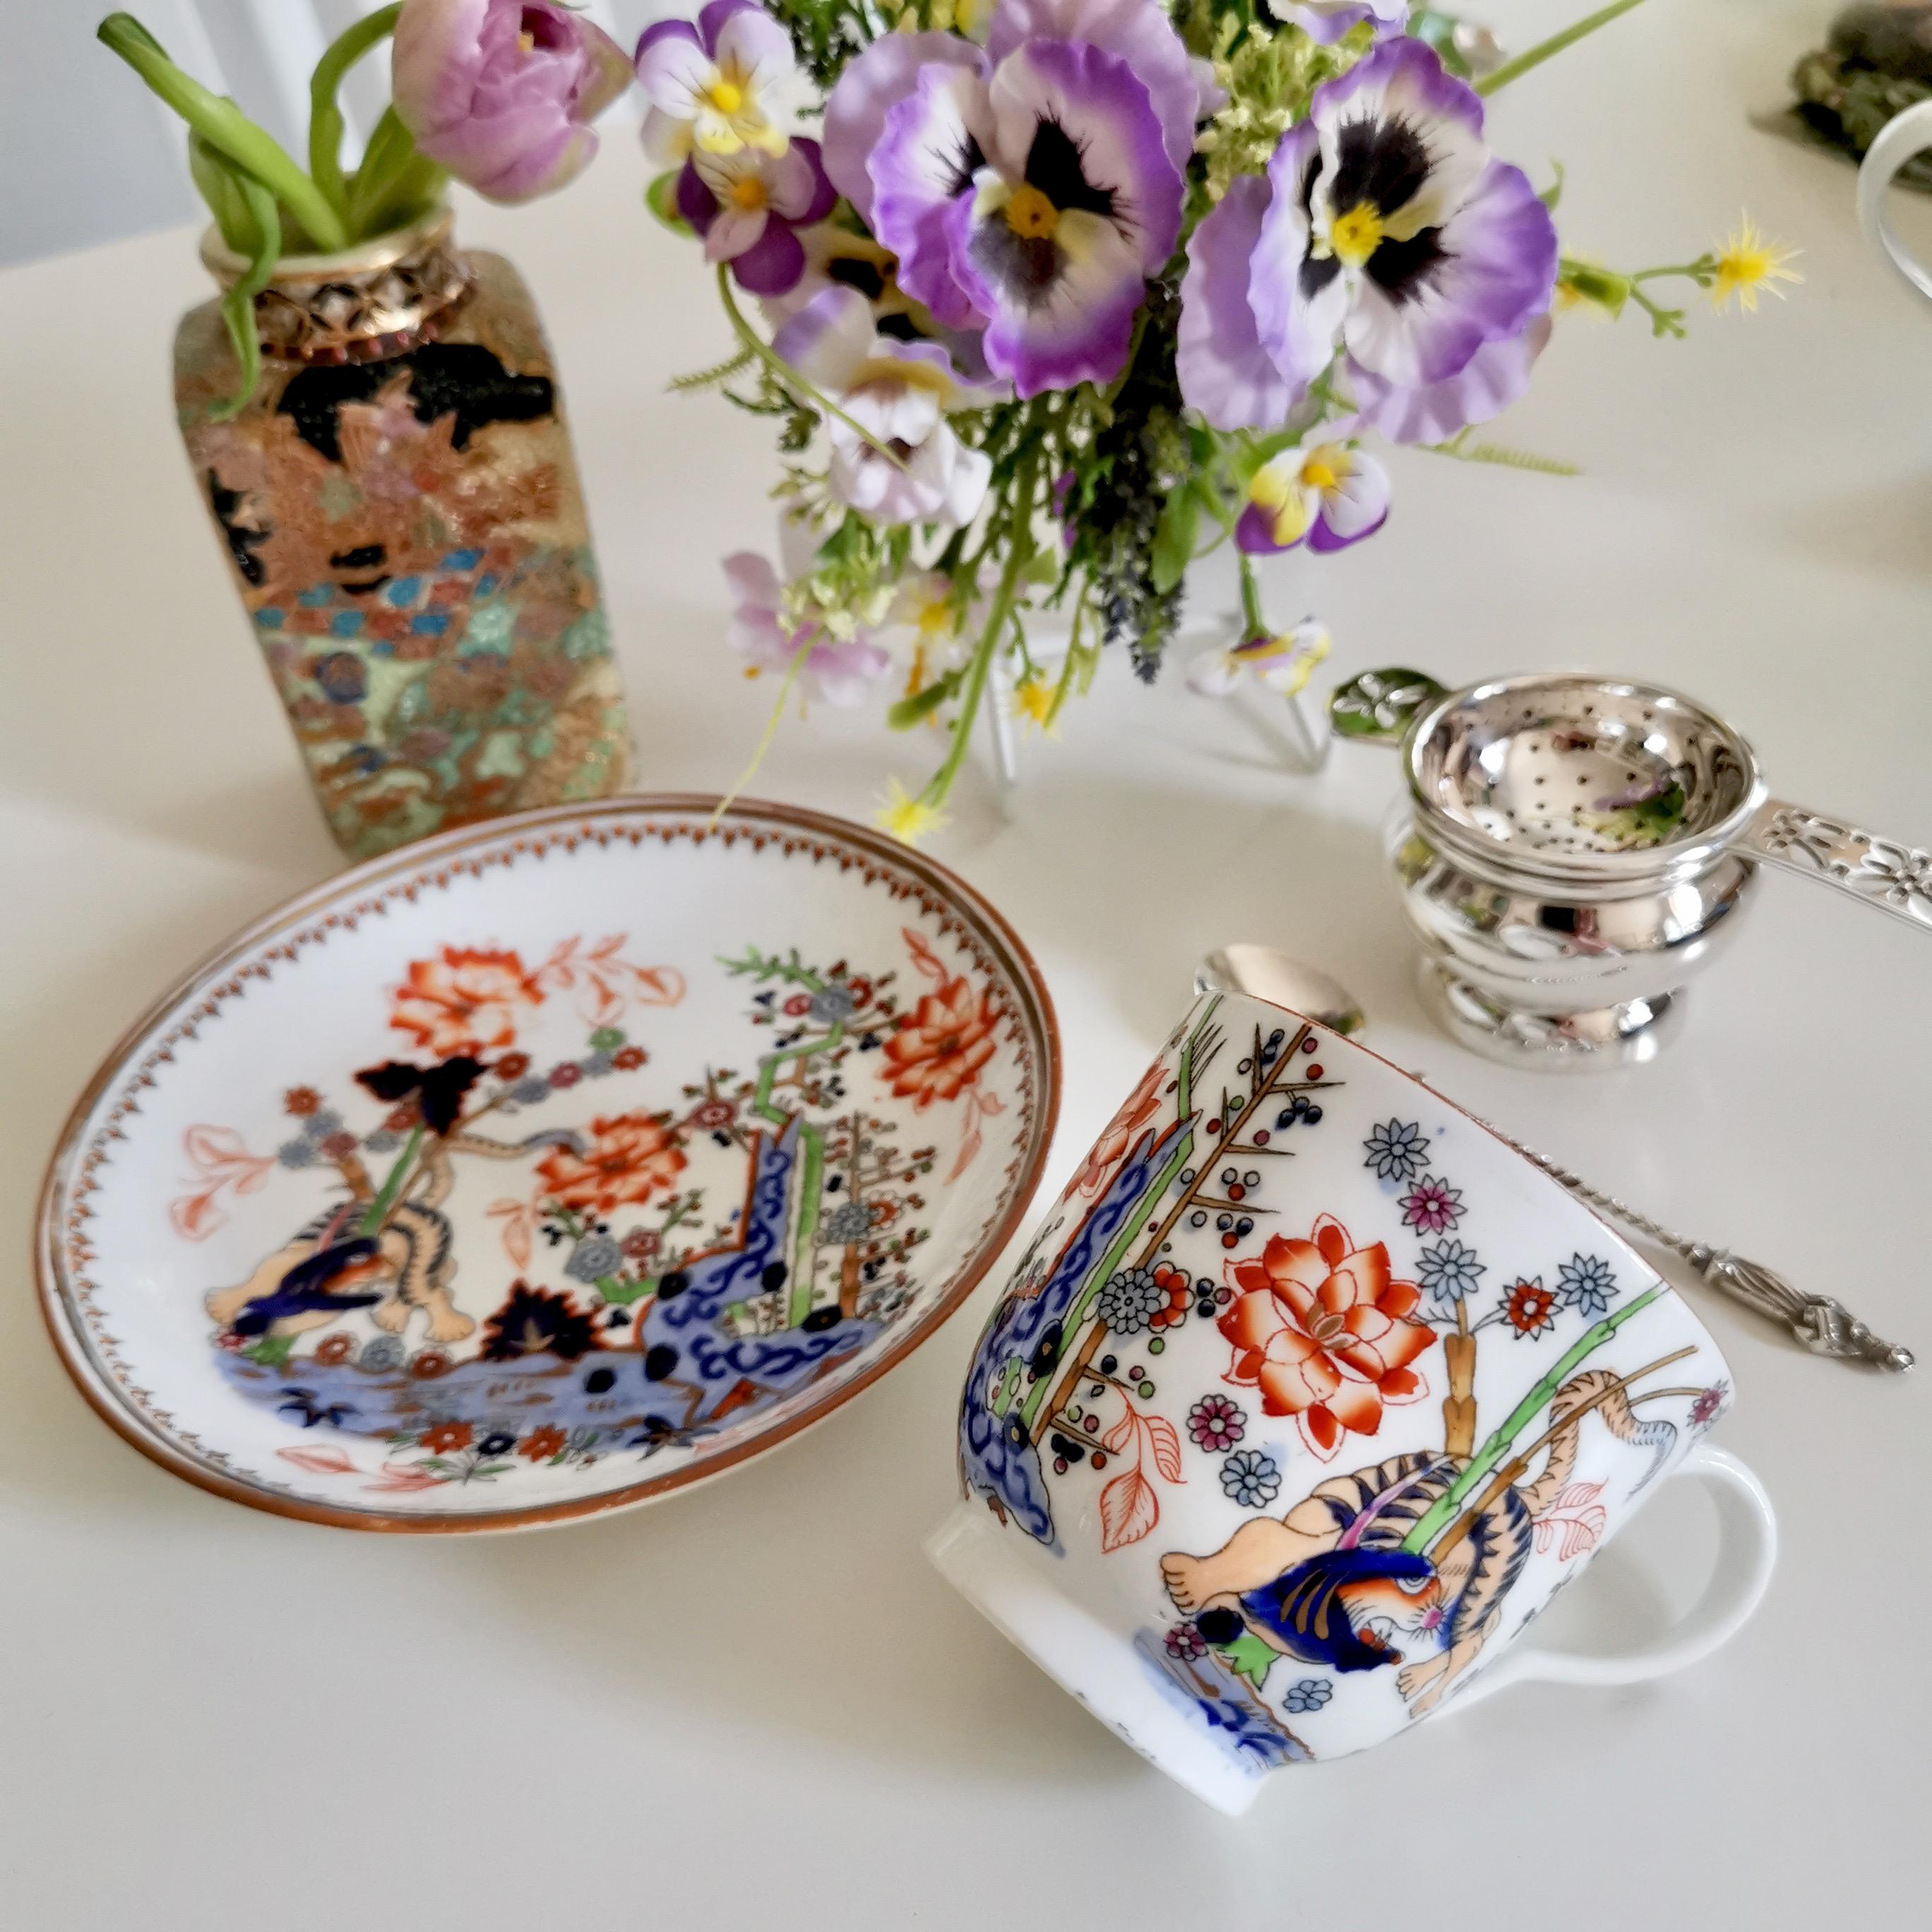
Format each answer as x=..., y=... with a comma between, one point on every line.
x=400, y=505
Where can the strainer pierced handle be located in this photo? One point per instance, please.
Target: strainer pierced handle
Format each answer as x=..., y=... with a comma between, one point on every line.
x=1895, y=877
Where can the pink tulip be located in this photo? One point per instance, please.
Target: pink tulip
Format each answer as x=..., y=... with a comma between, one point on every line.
x=502, y=92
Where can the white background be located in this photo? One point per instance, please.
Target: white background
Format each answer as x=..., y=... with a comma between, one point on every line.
x=755, y=1705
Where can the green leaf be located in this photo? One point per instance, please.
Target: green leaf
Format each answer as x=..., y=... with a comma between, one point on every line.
x=1553, y=193
x=909, y=711
x=660, y=198
x=622, y=1294
x=1173, y=539
x=1248, y=1656
x=226, y=129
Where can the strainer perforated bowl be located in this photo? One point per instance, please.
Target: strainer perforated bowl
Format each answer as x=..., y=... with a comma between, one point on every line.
x=1578, y=778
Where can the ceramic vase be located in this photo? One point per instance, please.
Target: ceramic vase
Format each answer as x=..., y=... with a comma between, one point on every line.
x=399, y=504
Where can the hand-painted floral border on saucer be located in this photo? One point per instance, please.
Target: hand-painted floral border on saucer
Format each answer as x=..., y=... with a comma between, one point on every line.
x=544, y=1168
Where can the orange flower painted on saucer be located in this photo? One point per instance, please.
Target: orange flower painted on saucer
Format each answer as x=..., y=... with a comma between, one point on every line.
x=941, y=1045
x=467, y=1000
x=445, y=1438
x=632, y=1158
x=1321, y=1328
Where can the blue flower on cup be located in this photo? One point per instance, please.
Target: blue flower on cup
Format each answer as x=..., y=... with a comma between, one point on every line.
x=1450, y=1270
x=1398, y=1150
x=1587, y=1284
x=1250, y=1478
x=1130, y=1300
x=1310, y=1694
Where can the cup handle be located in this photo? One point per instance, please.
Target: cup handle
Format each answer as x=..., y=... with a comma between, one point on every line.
x=1901, y=137
x=1747, y=1548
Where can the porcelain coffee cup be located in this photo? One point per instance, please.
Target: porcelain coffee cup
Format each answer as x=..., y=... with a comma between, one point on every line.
x=1904, y=136
x=1310, y=1394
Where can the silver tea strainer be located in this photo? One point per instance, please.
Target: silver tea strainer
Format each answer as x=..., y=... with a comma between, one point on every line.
x=1573, y=850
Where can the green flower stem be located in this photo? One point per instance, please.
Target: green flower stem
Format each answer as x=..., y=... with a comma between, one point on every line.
x=787, y=374
x=1699, y=271
x=411, y=189
x=1018, y=557
x=1548, y=50
x=1251, y=614
x=325, y=111
x=377, y=1212
x=1088, y=1296
x=220, y=187
x=1444, y=1511
x=1063, y=689
x=264, y=248
x=391, y=150
x=1662, y=321
x=226, y=130
x=764, y=745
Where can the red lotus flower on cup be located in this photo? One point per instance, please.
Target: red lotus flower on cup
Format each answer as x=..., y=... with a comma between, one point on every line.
x=467, y=1000
x=632, y=1158
x=1321, y=1328
x=941, y=1045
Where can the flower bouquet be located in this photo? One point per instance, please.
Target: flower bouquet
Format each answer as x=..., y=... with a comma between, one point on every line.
x=1064, y=293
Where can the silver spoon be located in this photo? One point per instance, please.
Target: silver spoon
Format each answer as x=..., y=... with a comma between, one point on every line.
x=1825, y=1326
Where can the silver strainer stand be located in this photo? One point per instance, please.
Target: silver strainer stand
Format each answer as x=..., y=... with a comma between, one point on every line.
x=1574, y=850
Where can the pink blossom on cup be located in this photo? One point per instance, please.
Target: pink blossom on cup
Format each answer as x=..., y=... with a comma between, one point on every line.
x=502, y=93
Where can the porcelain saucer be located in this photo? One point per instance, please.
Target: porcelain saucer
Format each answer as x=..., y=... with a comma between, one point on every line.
x=549, y=1165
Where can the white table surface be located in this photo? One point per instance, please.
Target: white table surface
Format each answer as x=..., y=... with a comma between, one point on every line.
x=756, y=1706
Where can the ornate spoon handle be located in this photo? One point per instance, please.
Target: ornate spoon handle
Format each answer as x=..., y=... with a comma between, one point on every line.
x=1896, y=878
x=1825, y=1326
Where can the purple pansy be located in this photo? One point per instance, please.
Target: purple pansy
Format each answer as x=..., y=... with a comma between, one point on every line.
x=899, y=392
x=1077, y=204
x=1031, y=189
x=1391, y=229
x=502, y=94
x=1225, y=373
x=1137, y=32
x=871, y=87
x=842, y=671
x=1493, y=379
x=748, y=205
x=1326, y=21
x=1332, y=495
x=1387, y=230
x=717, y=85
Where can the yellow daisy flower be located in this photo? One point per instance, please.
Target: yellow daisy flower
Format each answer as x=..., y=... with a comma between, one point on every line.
x=908, y=819
x=1033, y=700
x=1749, y=260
